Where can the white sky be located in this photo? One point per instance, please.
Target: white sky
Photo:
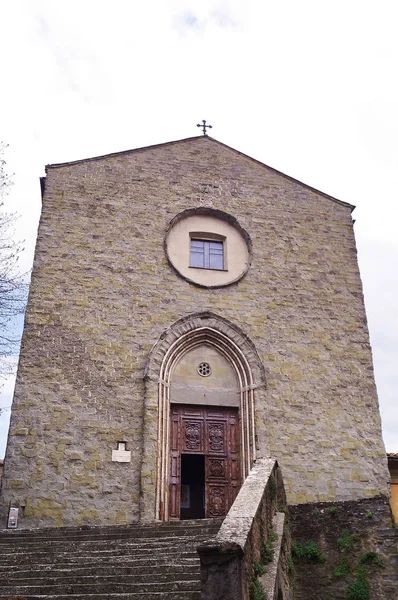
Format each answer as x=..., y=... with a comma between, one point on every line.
x=308, y=87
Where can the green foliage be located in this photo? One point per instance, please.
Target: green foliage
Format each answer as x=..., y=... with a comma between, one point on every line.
x=267, y=552
x=308, y=551
x=343, y=568
x=272, y=488
x=267, y=549
x=345, y=541
x=273, y=536
x=359, y=589
x=280, y=507
x=371, y=558
x=259, y=569
x=256, y=590
x=266, y=556
x=332, y=510
x=370, y=515
x=290, y=565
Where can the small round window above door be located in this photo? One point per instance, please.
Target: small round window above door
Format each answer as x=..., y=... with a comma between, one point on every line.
x=208, y=247
x=204, y=376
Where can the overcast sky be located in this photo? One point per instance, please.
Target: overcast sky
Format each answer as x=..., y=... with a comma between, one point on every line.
x=308, y=87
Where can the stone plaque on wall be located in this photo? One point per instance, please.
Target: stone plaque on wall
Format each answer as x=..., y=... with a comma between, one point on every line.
x=121, y=455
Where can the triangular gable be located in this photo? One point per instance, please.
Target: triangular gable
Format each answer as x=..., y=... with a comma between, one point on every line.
x=212, y=140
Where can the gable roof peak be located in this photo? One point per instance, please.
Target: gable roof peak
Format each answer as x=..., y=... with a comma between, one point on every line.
x=197, y=138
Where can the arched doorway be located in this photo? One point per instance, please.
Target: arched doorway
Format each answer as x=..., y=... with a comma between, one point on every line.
x=205, y=453
x=224, y=404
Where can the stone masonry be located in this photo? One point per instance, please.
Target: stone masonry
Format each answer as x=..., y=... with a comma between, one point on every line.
x=103, y=293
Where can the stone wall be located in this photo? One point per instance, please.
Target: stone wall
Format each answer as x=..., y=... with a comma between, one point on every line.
x=351, y=536
x=103, y=293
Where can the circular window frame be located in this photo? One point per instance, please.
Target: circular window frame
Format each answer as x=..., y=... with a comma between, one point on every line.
x=217, y=214
x=204, y=369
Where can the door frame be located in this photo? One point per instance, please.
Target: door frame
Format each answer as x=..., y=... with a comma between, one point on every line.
x=182, y=336
x=230, y=350
x=221, y=450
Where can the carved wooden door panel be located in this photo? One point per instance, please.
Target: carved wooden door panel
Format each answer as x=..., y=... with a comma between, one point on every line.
x=187, y=437
x=214, y=434
x=222, y=472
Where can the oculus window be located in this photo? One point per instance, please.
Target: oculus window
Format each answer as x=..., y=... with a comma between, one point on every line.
x=207, y=247
x=207, y=254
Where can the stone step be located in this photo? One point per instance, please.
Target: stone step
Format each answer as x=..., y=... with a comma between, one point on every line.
x=39, y=579
x=99, y=554
x=150, y=535
x=139, y=562
x=156, y=529
x=83, y=553
x=46, y=572
x=11, y=540
x=15, y=539
x=173, y=585
x=178, y=595
x=98, y=541
x=94, y=546
x=10, y=543
x=127, y=562
x=73, y=546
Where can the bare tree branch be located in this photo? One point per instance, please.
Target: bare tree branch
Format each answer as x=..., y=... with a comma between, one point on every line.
x=13, y=288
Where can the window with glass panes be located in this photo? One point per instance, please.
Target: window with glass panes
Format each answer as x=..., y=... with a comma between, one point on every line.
x=207, y=254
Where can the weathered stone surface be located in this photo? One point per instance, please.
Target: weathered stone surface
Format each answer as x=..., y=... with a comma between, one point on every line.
x=103, y=294
x=367, y=527
x=128, y=563
x=276, y=580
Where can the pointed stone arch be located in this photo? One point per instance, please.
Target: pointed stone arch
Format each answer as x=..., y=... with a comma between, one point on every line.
x=233, y=344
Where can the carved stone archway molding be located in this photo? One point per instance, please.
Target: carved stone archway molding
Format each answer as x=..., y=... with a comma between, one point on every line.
x=194, y=330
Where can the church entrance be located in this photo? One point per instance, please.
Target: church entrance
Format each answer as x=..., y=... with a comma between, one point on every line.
x=205, y=470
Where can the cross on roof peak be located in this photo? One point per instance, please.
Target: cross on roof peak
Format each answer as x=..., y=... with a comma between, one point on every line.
x=204, y=126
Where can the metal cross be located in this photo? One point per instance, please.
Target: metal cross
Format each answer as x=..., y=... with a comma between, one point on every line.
x=204, y=126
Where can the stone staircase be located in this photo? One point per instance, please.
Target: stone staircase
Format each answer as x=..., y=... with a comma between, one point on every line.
x=135, y=562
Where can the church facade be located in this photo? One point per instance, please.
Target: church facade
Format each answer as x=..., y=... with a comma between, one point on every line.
x=191, y=310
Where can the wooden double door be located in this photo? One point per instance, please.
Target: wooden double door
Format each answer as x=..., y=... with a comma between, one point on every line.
x=205, y=471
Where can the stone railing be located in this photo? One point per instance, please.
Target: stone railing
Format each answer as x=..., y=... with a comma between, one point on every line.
x=230, y=561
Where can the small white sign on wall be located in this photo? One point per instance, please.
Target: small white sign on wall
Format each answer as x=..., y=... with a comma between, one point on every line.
x=12, y=518
x=121, y=454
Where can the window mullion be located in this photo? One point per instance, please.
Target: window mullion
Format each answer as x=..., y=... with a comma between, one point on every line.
x=207, y=255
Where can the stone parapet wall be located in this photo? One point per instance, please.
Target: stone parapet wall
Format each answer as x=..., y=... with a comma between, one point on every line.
x=229, y=560
x=103, y=293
